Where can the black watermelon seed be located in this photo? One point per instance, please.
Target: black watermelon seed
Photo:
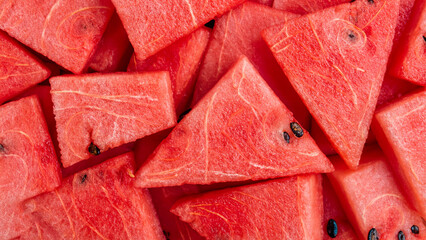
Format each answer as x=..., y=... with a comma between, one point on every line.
x=373, y=234
x=401, y=235
x=352, y=36
x=210, y=24
x=424, y=38
x=93, y=149
x=1, y=148
x=286, y=137
x=83, y=178
x=371, y=1
x=183, y=114
x=415, y=229
x=296, y=129
x=332, y=228
x=352, y=1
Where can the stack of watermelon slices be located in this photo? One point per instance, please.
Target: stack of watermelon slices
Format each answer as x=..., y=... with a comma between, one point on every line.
x=213, y=119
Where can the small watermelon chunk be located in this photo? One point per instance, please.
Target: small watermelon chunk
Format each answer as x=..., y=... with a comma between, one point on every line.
x=152, y=27
x=305, y=6
x=238, y=33
x=19, y=69
x=410, y=60
x=28, y=163
x=401, y=132
x=372, y=199
x=336, y=60
x=182, y=60
x=96, y=112
x=289, y=208
x=97, y=203
x=239, y=131
x=67, y=32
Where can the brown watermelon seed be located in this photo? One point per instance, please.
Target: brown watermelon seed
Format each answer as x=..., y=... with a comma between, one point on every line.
x=183, y=114
x=83, y=178
x=93, y=149
x=373, y=234
x=210, y=24
x=286, y=137
x=332, y=229
x=415, y=229
x=401, y=235
x=296, y=129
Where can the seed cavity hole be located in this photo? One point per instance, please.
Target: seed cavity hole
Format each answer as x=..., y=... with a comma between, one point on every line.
x=94, y=150
x=332, y=228
x=415, y=229
x=296, y=129
x=373, y=234
x=286, y=137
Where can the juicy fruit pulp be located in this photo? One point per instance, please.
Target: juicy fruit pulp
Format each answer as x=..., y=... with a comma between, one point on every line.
x=336, y=60
x=305, y=6
x=234, y=133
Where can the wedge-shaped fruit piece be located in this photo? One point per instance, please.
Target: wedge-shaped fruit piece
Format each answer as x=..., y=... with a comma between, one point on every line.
x=28, y=164
x=400, y=129
x=410, y=60
x=305, y=6
x=372, y=200
x=289, y=208
x=19, y=70
x=182, y=60
x=97, y=203
x=152, y=27
x=96, y=112
x=238, y=33
x=336, y=60
x=67, y=32
x=238, y=131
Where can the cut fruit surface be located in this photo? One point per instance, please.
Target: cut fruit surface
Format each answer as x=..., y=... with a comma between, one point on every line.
x=336, y=59
x=238, y=131
x=290, y=208
x=96, y=112
x=401, y=131
x=305, y=6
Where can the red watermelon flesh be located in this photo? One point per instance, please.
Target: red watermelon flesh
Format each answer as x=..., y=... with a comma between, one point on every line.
x=264, y=2
x=336, y=60
x=410, y=60
x=401, y=132
x=393, y=88
x=234, y=133
x=305, y=6
x=113, y=50
x=289, y=208
x=67, y=32
x=153, y=26
x=19, y=69
x=96, y=112
x=333, y=210
x=144, y=147
x=372, y=199
x=97, y=203
x=320, y=139
x=238, y=33
x=182, y=60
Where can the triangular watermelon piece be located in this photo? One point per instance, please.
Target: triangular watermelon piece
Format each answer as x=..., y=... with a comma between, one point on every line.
x=238, y=33
x=19, y=69
x=401, y=132
x=305, y=6
x=239, y=131
x=28, y=163
x=289, y=208
x=336, y=60
x=97, y=203
x=96, y=112
x=153, y=26
x=181, y=59
x=67, y=32
x=372, y=199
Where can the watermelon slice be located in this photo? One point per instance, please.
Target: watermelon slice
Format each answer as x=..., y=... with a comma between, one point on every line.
x=410, y=60
x=238, y=33
x=305, y=6
x=19, y=69
x=96, y=112
x=401, y=132
x=288, y=208
x=114, y=48
x=336, y=60
x=153, y=26
x=65, y=31
x=28, y=164
x=181, y=59
x=97, y=203
x=238, y=131
x=393, y=88
x=372, y=200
